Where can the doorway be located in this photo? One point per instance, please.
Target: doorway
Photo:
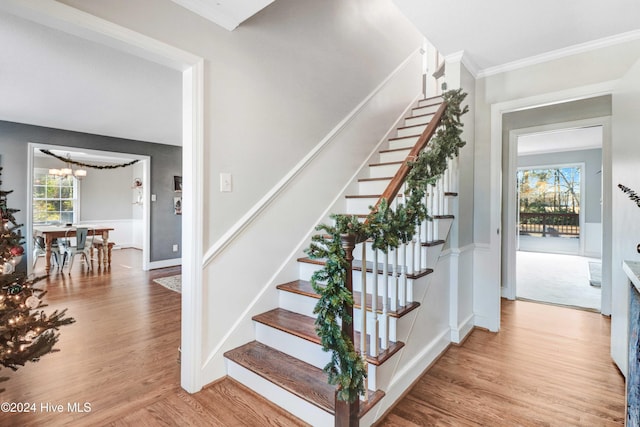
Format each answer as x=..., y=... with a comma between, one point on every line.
x=121, y=205
x=558, y=217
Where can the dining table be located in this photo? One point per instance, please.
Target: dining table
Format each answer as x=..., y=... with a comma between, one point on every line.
x=52, y=232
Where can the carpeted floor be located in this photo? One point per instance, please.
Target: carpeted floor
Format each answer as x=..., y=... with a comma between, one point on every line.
x=556, y=279
x=173, y=283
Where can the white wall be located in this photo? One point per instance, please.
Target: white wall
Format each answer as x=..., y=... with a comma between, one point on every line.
x=275, y=89
x=579, y=76
x=626, y=215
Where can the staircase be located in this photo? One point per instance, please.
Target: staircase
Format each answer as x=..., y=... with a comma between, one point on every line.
x=284, y=363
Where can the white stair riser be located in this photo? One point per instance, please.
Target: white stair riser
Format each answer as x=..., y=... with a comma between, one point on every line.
x=417, y=120
x=396, y=286
x=411, y=131
x=360, y=206
x=394, y=156
x=429, y=109
x=302, y=409
x=383, y=171
x=373, y=187
x=297, y=303
x=292, y=345
x=403, y=143
x=302, y=349
x=432, y=100
x=304, y=305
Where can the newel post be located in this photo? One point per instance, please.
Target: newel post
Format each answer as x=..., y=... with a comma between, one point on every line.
x=347, y=413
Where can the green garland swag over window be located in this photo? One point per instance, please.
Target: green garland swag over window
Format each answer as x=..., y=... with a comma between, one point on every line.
x=387, y=228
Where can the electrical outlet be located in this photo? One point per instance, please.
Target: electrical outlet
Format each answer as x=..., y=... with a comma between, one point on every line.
x=153, y=197
x=175, y=248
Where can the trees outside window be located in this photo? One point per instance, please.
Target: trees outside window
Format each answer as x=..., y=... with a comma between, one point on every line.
x=54, y=198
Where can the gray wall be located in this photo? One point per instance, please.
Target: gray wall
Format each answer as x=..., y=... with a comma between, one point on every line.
x=104, y=193
x=166, y=161
x=592, y=175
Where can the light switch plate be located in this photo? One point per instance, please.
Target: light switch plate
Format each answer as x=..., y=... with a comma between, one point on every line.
x=225, y=182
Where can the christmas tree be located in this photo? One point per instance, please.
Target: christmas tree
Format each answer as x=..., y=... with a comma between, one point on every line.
x=26, y=332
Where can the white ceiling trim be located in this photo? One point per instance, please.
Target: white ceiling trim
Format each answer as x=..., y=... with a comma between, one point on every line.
x=561, y=53
x=226, y=13
x=466, y=61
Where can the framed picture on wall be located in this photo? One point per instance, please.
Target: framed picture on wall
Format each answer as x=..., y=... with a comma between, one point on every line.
x=177, y=205
x=177, y=184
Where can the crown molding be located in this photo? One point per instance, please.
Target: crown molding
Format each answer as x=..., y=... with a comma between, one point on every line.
x=468, y=63
x=561, y=53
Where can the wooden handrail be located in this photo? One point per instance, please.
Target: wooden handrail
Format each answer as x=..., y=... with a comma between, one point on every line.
x=401, y=175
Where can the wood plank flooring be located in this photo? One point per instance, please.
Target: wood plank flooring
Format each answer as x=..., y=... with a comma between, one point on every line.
x=548, y=366
x=121, y=357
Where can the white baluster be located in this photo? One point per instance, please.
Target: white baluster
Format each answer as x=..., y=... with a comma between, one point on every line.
x=445, y=189
x=375, y=333
x=441, y=196
x=394, y=282
x=363, y=304
x=402, y=295
x=430, y=211
x=385, y=301
x=455, y=174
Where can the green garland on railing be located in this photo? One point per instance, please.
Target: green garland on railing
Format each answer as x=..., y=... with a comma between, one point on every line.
x=386, y=227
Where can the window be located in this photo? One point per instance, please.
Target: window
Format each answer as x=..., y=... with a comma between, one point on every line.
x=54, y=198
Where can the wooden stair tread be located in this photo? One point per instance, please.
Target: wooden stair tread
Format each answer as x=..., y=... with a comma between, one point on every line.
x=357, y=266
x=297, y=377
x=387, y=178
x=426, y=106
x=421, y=115
x=433, y=243
x=303, y=287
x=398, y=138
x=304, y=327
x=393, y=150
x=367, y=196
x=412, y=126
x=399, y=162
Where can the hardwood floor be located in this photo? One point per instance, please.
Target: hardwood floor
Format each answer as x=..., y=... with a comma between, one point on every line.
x=120, y=357
x=548, y=366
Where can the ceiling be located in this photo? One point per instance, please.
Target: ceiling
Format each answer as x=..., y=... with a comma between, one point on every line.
x=496, y=35
x=562, y=140
x=226, y=13
x=54, y=79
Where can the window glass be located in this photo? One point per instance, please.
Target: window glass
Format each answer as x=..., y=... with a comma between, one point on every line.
x=54, y=198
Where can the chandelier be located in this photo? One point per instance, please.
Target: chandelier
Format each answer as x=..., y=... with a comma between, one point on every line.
x=69, y=171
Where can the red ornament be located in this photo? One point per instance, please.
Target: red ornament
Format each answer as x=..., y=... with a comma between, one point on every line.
x=17, y=250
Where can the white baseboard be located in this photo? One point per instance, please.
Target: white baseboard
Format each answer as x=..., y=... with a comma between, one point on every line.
x=165, y=263
x=412, y=370
x=464, y=329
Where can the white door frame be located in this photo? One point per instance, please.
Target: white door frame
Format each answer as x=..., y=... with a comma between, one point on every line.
x=146, y=168
x=491, y=281
x=68, y=19
x=511, y=236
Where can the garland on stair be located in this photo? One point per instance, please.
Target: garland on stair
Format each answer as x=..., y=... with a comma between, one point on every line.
x=387, y=228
